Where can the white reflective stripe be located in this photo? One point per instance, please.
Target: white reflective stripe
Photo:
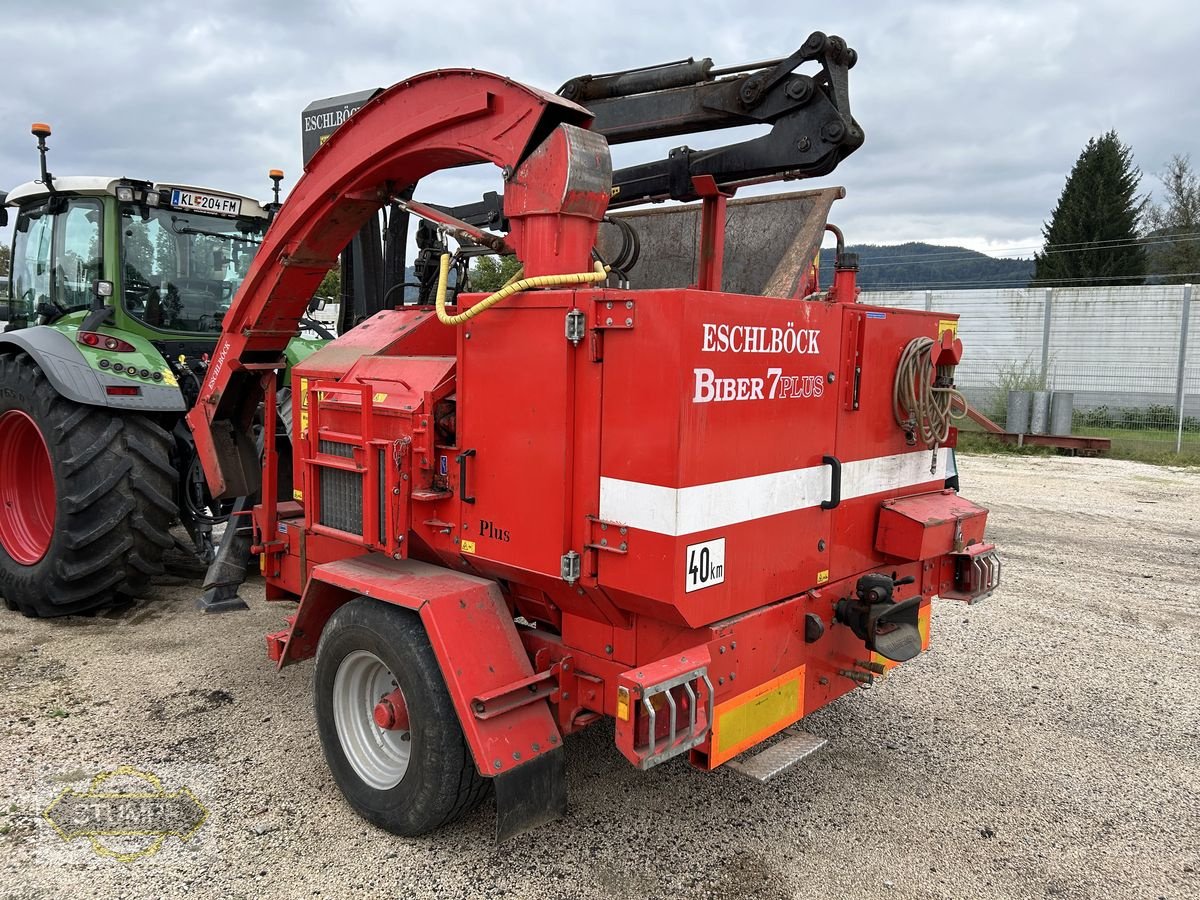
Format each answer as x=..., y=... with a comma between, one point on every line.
x=886, y=473
x=679, y=511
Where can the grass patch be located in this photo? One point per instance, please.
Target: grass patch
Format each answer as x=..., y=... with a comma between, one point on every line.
x=1144, y=445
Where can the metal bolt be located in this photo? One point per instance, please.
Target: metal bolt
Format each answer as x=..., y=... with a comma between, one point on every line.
x=516, y=754
x=478, y=706
x=579, y=591
x=831, y=378
x=624, y=545
x=536, y=746
x=732, y=676
x=624, y=529
x=404, y=476
x=733, y=645
x=566, y=695
x=395, y=556
x=608, y=649
x=608, y=321
x=395, y=490
x=722, y=649
x=629, y=323
x=466, y=336
x=821, y=544
x=629, y=304
x=721, y=680
x=803, y=144
x=497, y=764
x=603, y=542
x=554, y=738
x=822, y=680
x=608, y=305
x=604, y=526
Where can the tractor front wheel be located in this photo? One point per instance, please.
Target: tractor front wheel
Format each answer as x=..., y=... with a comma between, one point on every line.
x=387, y=724
x=86, y=498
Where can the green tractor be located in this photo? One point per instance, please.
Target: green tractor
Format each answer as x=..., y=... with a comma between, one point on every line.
x=116, y=296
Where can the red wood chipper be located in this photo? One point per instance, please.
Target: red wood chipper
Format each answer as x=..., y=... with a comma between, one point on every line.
x=700, y=513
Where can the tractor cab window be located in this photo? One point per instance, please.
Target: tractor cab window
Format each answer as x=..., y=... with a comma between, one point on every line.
x=77, y=261
x=180, y=270
x=30, y=263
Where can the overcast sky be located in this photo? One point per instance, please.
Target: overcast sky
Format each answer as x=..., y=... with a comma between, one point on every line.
x=974, y=112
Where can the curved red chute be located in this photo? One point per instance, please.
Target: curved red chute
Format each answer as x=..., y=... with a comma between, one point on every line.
x=430, y=122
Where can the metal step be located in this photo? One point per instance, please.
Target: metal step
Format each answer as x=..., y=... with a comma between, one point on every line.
x=779, y=757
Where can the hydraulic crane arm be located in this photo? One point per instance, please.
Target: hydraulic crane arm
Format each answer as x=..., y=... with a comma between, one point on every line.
x=811, y=126
x=812, y=129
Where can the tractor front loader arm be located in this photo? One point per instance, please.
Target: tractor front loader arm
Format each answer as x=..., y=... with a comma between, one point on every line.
x=430, y=122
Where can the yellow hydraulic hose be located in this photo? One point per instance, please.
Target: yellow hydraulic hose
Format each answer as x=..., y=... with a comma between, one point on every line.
x=513, y=287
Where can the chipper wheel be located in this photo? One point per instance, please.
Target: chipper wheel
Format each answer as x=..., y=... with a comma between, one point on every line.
x=86, y=498
x=387, y=725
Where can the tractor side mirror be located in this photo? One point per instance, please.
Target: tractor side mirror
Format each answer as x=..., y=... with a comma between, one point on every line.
x=316, y=304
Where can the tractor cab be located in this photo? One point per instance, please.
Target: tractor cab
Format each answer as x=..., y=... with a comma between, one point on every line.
x=165, y=260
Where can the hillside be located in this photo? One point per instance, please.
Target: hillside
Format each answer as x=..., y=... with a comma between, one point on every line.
x=917, y=266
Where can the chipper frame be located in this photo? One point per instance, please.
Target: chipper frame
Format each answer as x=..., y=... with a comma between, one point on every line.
x=698, y=513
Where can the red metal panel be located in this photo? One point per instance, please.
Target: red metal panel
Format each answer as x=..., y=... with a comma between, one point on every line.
x=717, y=414
x=928, y=525
x=515, y=409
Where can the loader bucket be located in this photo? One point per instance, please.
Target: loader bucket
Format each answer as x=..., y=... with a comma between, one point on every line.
x=770, y=242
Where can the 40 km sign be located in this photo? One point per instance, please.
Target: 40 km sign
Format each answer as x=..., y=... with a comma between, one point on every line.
x=705, y=565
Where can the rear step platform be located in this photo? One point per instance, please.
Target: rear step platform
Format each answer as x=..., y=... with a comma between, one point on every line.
x=778, y=758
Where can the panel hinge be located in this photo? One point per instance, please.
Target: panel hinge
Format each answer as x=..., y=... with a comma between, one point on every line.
x=570, y=567
x=576, y=327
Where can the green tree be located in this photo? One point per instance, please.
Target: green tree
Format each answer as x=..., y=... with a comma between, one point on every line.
x=330, y=288
x=1173, y=226
x=490, y=273
x=5, y=259
x=1092, y=238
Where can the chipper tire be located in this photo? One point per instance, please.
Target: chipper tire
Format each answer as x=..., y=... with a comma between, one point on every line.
x=408, y=782
x=86, y=498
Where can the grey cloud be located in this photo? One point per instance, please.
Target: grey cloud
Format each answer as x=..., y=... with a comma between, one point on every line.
x=974, y=112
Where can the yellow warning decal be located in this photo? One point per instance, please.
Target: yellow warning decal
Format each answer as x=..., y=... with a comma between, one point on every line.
x=950, y=325
x=748, y=718
x=304, y=393
x=379, y=398
x=823, y=576
x=468, y=546
x=297, y=494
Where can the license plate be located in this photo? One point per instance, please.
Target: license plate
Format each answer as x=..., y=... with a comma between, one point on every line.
x=207, y=203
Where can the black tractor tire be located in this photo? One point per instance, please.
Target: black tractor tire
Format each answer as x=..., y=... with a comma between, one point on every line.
x=114, y=503
x=441, y=783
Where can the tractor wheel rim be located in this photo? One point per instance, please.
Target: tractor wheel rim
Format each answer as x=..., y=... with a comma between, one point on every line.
x=27, y=494
x=379, y=756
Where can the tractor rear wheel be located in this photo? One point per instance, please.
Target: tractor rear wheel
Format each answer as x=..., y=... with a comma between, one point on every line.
x=86, y=498
x=387, y=725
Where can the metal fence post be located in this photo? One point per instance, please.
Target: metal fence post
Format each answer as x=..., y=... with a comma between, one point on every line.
x=1046, y=339
x=929, y=301
x=1185, y=318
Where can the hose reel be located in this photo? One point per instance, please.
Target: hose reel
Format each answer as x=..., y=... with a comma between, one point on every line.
x=925, y=402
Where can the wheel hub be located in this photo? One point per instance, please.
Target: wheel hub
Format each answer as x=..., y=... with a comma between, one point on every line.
x=27, y=493
x=391, y=713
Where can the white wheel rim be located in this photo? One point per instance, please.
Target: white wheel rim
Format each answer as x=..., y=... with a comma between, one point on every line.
x=378, y=755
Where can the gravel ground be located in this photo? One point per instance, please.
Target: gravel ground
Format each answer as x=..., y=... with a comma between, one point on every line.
x=1047, y=746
